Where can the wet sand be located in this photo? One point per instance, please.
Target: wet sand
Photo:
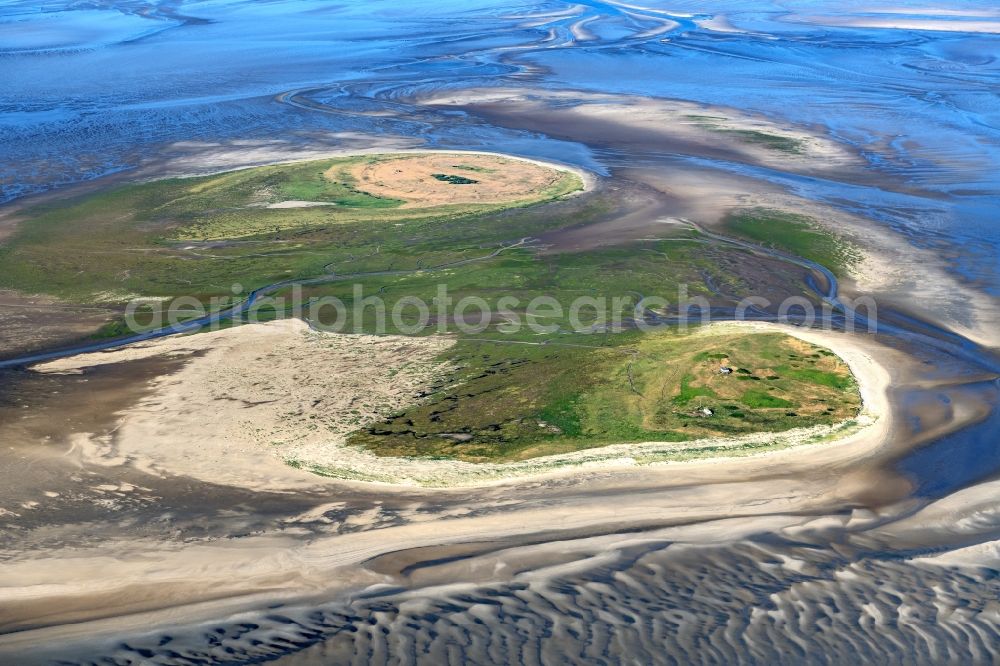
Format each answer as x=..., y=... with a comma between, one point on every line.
x=418, y=558
x=332, y=549
x=647, y=125
x=30, y=322
x=651, y=145
x=889, y=557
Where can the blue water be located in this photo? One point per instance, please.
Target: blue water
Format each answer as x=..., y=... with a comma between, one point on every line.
x=89, y=89
x=92, y=89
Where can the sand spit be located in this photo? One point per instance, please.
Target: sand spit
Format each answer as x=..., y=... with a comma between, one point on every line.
x=719, y=131
x=259, y=394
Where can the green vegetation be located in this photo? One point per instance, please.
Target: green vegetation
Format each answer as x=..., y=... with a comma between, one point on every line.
x=758, y=399
x=511, y=402
x=785, y=144
x=199, y=236
x=135, y=240
x=235, y=205
x=506, y=400
x=688, y=392
x=797, y=235
x=454, y=180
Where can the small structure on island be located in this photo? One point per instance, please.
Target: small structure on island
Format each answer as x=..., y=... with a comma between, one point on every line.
x=725, y=370
x=705, y=411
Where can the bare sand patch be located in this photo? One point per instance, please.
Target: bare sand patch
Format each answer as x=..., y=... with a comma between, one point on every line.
x=252, y=396
x=424, y=180
x=946, y=23
x=655, y=123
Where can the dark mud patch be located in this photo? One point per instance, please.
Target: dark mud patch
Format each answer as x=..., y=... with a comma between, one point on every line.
x=29, y=323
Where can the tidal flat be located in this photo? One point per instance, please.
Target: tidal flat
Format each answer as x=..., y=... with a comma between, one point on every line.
x=583, y=487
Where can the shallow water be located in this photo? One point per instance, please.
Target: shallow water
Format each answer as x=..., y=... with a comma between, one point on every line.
x=145, y=88
x=93, y=91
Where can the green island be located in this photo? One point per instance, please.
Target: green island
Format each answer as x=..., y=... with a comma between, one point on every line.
x=401, y=226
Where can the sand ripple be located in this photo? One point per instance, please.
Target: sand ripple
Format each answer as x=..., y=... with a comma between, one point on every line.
x=773, y=600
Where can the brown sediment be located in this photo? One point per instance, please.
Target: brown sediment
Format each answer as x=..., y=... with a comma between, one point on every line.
x=638, y=213
x=30, y=322
x=420, y=179
x=655, y=127
x=419, y=538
